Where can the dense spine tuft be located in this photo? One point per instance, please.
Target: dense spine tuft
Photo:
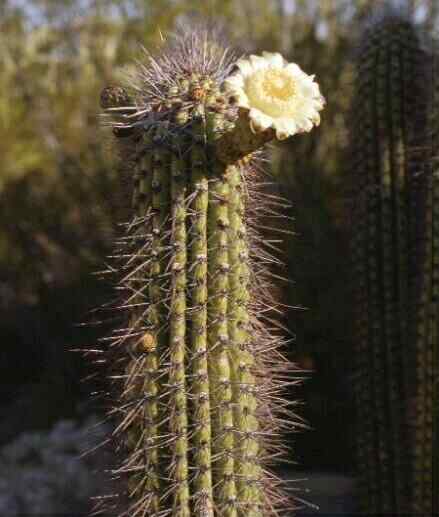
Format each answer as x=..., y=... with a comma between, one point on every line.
x=198, y=372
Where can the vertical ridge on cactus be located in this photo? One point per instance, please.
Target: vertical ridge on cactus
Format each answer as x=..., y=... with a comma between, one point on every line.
x=202, y=397
x=241, y=359
x=199, y=375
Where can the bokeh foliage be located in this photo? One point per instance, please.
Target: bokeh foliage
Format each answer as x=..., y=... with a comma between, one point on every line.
x=61, y=196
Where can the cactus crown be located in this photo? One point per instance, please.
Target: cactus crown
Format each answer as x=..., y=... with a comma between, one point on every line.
x=188, y=71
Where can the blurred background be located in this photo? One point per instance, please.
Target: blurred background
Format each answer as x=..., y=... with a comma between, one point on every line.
x=59, y=204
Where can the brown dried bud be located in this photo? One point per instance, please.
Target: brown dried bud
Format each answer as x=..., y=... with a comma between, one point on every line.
x=114, y=97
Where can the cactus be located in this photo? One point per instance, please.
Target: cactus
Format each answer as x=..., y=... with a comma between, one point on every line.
x=392, y=251
x=424, y=396
x=198, y=373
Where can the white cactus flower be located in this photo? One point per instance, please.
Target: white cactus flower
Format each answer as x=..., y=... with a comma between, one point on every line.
x=278, y=94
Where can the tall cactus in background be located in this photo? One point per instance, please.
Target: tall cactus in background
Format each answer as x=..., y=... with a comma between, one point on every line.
x=198, y=373
x=393, y=250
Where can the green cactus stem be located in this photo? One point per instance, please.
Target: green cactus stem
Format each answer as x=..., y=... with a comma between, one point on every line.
x=196, y=417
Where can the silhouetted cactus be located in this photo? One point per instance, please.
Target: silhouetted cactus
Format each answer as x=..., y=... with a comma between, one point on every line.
x=393, y=249
x=200, y=376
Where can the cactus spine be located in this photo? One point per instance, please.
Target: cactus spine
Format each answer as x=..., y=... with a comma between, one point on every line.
x=196, y=385
x=392, y=232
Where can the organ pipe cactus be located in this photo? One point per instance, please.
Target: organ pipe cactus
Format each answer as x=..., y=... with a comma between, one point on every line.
x=394, y=253
x=198, y=373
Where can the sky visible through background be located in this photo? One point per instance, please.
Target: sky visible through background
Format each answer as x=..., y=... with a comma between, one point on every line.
x=80, y=7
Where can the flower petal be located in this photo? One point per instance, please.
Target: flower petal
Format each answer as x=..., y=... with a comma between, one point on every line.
x=274, y=58
x=259, y=121
x=309, y=88
x=258, y=62
x=282, y=134
x=294, y=69
x=304, y=124
x=289, y=125
x=235, y=81
x=315, y=119
x=245, y=67
x=242, y=101
x=284, y=128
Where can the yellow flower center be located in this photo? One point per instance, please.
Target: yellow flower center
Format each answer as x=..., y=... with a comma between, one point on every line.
x=278, y=85
x=273, y=91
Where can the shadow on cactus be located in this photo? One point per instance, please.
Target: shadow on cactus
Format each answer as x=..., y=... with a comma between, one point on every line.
x=198, y=364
